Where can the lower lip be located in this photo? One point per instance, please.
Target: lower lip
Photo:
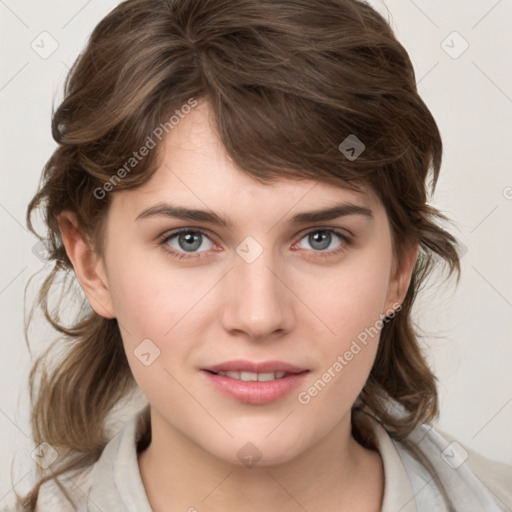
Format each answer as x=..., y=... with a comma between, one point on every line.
x=256, y=392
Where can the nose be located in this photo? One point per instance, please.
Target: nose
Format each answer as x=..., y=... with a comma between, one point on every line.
x=257, y=301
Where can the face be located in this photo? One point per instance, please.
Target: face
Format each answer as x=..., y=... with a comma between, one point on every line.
x=250, y=285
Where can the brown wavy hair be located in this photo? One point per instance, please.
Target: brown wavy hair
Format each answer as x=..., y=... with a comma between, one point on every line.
x=288, y=81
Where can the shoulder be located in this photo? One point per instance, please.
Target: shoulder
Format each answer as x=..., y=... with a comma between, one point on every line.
x=430, y=466
x=78, y=490
x=496, y=476
x=54, y=497
x=467, y=477
x=113, y=482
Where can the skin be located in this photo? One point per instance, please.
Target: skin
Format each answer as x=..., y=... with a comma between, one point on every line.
x=295, y=303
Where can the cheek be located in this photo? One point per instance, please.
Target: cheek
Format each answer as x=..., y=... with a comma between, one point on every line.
x=164, y=305
x=362, y=302
x=150, y=296
x=349, y=299
x=350, y=304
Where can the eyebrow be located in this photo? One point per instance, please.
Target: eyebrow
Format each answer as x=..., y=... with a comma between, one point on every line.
x=193, y=214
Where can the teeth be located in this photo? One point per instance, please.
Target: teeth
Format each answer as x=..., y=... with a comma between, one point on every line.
x=263, y=377
x=253, y=377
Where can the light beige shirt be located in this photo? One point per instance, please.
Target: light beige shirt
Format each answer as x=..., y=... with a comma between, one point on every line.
x=473, y=482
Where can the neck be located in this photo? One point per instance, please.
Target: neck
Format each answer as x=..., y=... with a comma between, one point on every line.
x=335, y=474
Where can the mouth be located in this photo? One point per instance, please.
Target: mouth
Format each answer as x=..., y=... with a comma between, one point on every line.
x=252, y=376
x=255, y=383
x=241, y=366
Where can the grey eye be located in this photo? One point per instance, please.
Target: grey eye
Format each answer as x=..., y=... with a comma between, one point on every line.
x=320, y=240
x=189, y=241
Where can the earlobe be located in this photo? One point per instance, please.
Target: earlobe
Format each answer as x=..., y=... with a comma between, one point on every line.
x=89, y=268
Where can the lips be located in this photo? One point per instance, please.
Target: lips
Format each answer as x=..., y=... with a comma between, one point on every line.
x=254, y=367
x=255, y=383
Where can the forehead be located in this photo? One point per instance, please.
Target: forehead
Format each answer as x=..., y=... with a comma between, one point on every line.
x=196, y=171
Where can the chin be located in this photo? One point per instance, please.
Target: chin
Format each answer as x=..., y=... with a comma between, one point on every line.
x=257, y=451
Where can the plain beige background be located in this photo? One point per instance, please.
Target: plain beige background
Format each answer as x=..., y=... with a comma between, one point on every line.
x=461, y=52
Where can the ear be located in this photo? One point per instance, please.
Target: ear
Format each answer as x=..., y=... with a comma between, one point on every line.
x=89, y=267
x=401, y=277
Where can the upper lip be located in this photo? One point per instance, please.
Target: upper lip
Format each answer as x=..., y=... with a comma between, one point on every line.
x=254, y=367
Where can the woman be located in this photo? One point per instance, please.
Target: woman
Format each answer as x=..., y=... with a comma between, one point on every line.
x=240, y=191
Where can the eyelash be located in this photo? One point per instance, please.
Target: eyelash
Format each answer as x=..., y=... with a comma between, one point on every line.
x=164, y=239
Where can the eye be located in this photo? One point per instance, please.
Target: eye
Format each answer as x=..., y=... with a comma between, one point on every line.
x=325, y=240
x=187, y=241
x=190, y=243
